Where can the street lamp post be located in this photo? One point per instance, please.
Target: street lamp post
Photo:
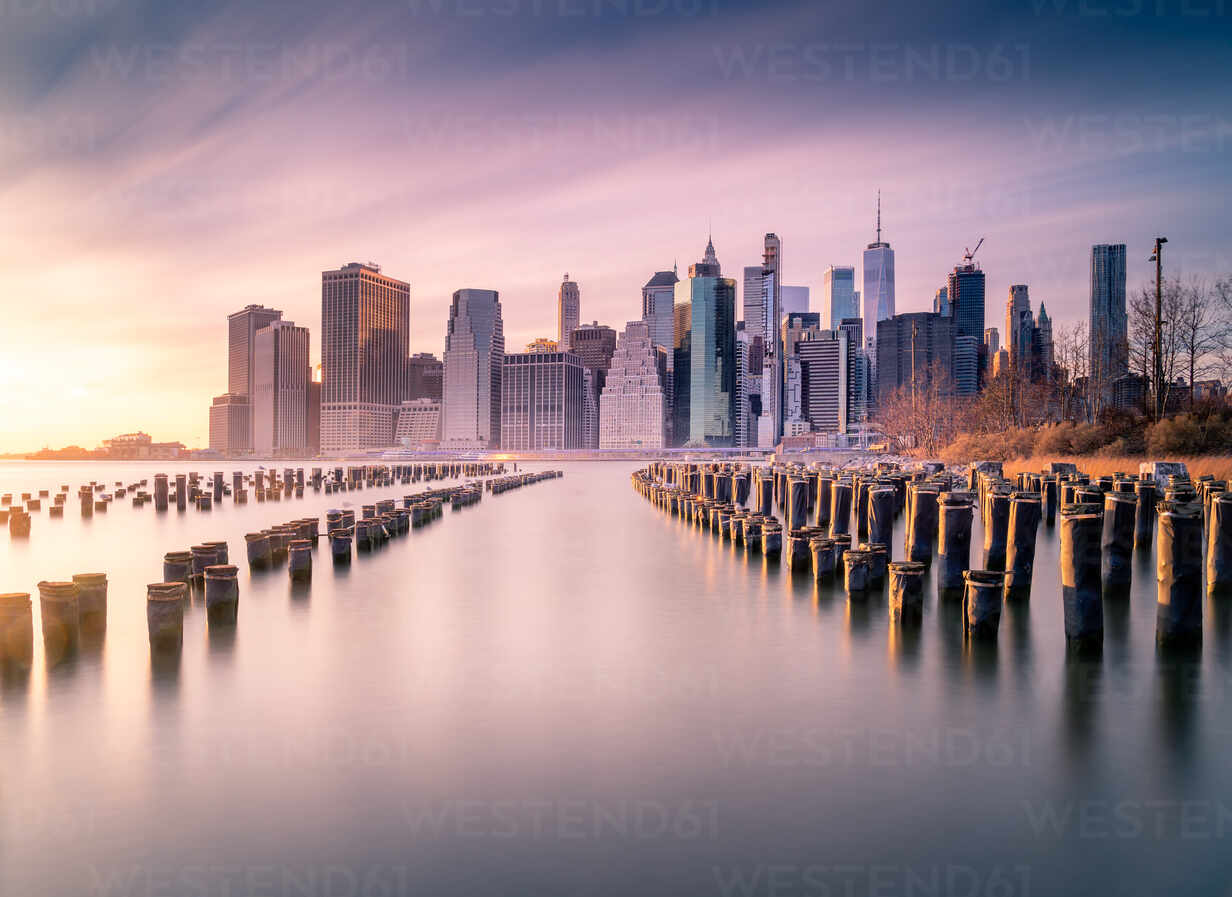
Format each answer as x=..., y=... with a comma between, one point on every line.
x=1158, y=258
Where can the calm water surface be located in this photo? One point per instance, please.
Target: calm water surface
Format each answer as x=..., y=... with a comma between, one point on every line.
x=563, y=691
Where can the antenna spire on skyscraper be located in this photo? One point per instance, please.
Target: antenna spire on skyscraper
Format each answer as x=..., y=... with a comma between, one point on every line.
x=878, y=216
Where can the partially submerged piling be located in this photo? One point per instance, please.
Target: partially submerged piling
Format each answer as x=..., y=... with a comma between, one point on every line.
x=1178, y=573
x=1020, y=556
x=1117, y=542
x=954, y=541
x=982, y=602
x=61, y=619
x=906, y=590
x=16, y=631
x=164, y=614
x=222, y=593
x=1081, y=587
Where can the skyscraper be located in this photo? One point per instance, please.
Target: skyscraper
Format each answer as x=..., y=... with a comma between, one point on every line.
x=280, y=389
x=966, y=365
x=992, y=341
x=878, y=294
x=474, y=363
x=859, y=376
x=839, y=295
x=594, y=345
x=712, y=367
x=541, y=402
x=365, y=341
x=966, y=293
x=941, y=302
x=825, y=358
x=1041, y=347
x=631, y=410
x=1109, y=322
x=912, y=349
x=658, y=298
x=425, y=377
x=242, y=327
x=568, y=312
x=1019, y=324
x=763, y=313
x=682, y=356
x=230, y=424
x=797, y=326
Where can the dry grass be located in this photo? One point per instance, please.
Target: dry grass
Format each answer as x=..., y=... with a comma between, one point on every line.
x=1219, y=466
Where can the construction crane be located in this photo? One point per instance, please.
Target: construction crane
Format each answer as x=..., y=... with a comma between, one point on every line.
x=970, y=253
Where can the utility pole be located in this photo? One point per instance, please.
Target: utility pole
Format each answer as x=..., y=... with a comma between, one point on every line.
x=1158, y=258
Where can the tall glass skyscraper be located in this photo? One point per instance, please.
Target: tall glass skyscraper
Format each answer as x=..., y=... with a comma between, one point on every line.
x=474, y=363
x=712, y=367
x=839, y=295
x=1109, y=322
x=966, y=295
x=658, y=297
x=365, y=343
x=878, y=281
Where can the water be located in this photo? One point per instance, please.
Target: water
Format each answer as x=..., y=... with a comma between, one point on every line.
x=564, y=691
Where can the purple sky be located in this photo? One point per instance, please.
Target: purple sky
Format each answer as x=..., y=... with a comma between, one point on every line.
x=162, y=166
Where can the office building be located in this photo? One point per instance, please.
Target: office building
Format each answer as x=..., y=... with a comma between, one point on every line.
x=658, y=301
x=1108, y=331
x=839, y=297
x=682, y=355
x=314, y=413
x=242, y=327
x=425, y=377
x=860, y=384
x=825, y=358
x=230, y=423
x=966, y=365
x=631, y=407
x=281, y=377
x=568, y=312
x=474, y=364
x=419, y=423
x=543, y=344
x=365, y=342
x=878, y=293
x=1019, y=328
x=1042, y=355
x=712, y=367
x=594, y=344
x=992, y=341
x=541, y=402
x=941, y=302
x=965, y=291
x=912, y=349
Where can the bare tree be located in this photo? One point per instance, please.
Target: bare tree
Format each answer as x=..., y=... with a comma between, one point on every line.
x=1142, y=333
x=1070, y=353
x=1197, y=331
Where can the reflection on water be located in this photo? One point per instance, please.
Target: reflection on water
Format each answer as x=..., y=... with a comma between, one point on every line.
x=165, y=671
x=567, y=646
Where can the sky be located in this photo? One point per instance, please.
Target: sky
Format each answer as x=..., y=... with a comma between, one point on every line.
x=164, y=163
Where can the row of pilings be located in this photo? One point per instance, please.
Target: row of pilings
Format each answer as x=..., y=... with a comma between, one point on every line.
x=75, y=610
x=203, y=492
x=839, y=524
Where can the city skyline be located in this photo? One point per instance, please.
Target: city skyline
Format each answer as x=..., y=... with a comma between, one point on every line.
x=152, y=150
